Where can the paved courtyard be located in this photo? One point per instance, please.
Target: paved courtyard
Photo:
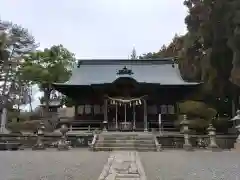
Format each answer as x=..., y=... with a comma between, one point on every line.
x=198, y=165
x=80, y=164
x=77, y=164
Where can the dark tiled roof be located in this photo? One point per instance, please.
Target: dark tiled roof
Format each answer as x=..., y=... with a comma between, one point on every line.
x=99, y=71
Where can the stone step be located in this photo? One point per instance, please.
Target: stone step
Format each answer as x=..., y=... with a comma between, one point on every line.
x=127, y=141
x=125, y=149
x=123, y=145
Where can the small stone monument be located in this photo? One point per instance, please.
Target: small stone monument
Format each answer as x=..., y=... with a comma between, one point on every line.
x=62, y=143
x=185, y=124
x=212, y=137
x=40, y=135
x=237, y=122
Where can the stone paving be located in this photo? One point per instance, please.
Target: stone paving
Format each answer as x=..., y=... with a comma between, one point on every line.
x=197, y=165
x=81, y=164
x=76, y=164
x=123, y=165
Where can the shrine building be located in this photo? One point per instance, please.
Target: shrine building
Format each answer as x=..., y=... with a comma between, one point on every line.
x=127, y=95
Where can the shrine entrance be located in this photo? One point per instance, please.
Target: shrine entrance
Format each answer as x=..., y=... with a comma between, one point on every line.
x=126, y=114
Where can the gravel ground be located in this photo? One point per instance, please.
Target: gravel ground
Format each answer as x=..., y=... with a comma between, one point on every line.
x=180, y=165
x=51, y=165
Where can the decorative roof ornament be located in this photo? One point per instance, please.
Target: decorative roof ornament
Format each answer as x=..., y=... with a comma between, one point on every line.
x=125, y=71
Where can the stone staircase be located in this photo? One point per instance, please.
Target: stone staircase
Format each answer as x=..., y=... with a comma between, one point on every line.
x=124, y=141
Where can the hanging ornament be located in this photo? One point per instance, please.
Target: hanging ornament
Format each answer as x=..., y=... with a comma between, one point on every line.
x=140, y=102
x=136, y=103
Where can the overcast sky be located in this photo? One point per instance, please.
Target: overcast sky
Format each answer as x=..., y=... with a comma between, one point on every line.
x=99, y=28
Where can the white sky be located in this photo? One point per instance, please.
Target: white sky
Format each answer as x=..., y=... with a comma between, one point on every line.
x=99, y=28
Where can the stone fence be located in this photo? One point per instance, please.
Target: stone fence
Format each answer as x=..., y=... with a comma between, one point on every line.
x=197, y=141
x=167, y=141
x=27, y=141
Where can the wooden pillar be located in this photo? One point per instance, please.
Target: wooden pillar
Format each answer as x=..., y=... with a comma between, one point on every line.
x=106, y=110
x=125, y=116
x=116, y=117
x=134, y=117
x=145, y=116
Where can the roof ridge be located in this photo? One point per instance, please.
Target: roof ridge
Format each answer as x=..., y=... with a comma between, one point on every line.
x=125, y=61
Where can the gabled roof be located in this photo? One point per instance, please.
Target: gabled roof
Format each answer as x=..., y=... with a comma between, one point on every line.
x=99, y=71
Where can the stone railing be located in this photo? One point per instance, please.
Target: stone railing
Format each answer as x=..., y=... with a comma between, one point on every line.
x=94, y=140
x=158, y=146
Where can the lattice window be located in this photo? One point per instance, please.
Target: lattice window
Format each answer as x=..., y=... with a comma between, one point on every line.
x=97, y=109
x=80, y=109
x=152, y=109
x=88, y=109
x=171, y=109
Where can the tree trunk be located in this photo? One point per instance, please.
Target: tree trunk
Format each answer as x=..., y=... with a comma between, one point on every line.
x=30, y=102
x=47, y=93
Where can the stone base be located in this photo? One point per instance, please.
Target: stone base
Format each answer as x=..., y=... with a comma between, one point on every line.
x=236, y=146
x=188, y=147
x=4, y=130
x=214, y=148
x=159, y=148
x=39, y=147
x=63, y=147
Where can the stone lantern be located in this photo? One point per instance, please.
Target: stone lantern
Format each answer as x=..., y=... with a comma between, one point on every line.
x=237, y=122
x=185, y=128
x=212, y=137
x=40, y=135
x=62, y=143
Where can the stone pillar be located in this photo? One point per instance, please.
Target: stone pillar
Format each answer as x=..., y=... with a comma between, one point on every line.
x=212, y=138
x=40, y=135
x=4, y=121
x=185, y=125
x=105, y=122
x=145, y=116
x=70, y=128
x=62, y=143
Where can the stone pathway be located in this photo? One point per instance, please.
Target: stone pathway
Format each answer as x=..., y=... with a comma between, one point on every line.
x=123, y=165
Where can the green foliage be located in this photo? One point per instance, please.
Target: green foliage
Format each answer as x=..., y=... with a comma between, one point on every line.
x=67, y=101
x=15, y=44
x=197, y=109
x=24, y=126
x=198, y=113
x=48, y=66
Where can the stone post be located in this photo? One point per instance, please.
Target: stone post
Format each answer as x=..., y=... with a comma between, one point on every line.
x=105, y=126
x=185, y=124
x=40, y=135
x=212, y=137
x=237, y=122
x=62, y=143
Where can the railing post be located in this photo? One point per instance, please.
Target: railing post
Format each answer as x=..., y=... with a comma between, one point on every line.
x=40, y=135
x=62, y=143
